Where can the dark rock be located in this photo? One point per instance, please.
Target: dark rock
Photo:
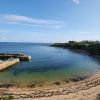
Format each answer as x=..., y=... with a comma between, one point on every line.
x=74, y=79
x=79, y=78
x=82, y=77
x=66, y=80
x=31, y=86
x=57, y=83
x=40, y=85
x=6, y=85
x=98, y=97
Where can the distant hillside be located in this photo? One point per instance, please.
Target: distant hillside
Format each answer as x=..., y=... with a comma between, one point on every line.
x=89, y=47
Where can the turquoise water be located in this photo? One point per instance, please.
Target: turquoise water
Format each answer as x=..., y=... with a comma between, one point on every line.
x=48, y=64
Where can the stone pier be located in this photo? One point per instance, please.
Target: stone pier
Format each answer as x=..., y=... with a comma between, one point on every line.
x=7, y=63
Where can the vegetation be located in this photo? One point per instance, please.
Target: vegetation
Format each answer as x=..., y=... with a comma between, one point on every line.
x=8, y=98
x=90, y=47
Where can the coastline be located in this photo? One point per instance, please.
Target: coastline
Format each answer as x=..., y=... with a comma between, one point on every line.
x=75, y=88
x=84, y=87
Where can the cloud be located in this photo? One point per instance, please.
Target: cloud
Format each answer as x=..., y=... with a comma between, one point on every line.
x=76, y=1
x=3, y=38
x=24, y=20
x=84, y=32
x=4, y=31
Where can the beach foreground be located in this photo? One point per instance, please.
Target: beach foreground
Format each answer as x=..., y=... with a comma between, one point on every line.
x=83, y=90
x=89, y=94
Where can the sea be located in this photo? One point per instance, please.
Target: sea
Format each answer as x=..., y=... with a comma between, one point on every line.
x=48, y=64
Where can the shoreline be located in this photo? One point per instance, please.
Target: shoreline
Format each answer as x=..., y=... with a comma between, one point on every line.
x=71, y=88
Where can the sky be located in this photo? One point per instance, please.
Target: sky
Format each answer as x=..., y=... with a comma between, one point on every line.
x=49, y=21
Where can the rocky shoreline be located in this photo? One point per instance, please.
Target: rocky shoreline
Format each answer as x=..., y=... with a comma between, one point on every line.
x=73, y=87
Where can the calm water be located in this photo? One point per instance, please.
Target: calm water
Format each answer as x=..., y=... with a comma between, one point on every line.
x=48, y=64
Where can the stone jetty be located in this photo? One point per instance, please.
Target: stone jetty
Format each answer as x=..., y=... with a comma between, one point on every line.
x=9, y=59
x=20, y=56
x=7, y=63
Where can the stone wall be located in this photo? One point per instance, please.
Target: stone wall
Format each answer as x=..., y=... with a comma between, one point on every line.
x=8, y=63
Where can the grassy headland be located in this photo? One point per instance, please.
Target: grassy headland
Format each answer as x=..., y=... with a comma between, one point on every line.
x=88, y=47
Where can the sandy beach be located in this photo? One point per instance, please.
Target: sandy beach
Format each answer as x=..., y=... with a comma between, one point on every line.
x=83, y=90
x=89, y=94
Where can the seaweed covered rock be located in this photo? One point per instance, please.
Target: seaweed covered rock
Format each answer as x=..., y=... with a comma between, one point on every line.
x=98, y=97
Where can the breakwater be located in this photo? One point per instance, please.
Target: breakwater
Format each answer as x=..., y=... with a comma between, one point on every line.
x=7, y=63
x=19, y=56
